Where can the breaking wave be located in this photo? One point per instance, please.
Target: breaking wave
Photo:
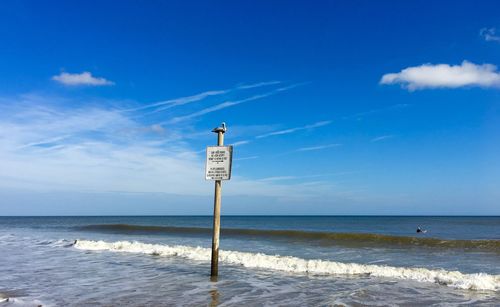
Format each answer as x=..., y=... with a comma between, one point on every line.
x=478, y=281
x=324, y=238
x=9, y=301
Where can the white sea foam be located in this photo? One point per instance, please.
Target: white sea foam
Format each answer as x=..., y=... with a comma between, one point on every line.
x=61, y=243
x=478, y=281
x=16, y=302
x=6, y=236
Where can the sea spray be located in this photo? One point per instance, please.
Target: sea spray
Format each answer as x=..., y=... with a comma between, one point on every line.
x=455, y=279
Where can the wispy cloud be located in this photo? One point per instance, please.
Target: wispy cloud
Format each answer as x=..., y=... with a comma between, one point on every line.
x=246, y=158
x=45, y=146
x=320, y=147
x=489, y=34
x=157, y=129
x=84, y=78
x=239, y=143
x=228, y=104
x=247, y=131
x=259, y=84
x=376, y=111
x=381, y=138
x=45, y=143
x=214, y=108
x=445, y=76
x=94, y=154
x=171, y=103
x=282, y=178
x=278, y=178
x=292, y=130
x=167, y=104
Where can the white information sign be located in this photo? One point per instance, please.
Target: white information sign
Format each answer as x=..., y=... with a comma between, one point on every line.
x=219, y=160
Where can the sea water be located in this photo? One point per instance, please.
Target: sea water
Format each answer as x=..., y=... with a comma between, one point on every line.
x=264, y=260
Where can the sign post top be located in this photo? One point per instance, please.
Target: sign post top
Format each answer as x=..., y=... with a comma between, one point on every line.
x=222, y=128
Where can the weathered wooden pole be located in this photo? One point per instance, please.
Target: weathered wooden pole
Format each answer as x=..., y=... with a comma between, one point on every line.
x=214, y=272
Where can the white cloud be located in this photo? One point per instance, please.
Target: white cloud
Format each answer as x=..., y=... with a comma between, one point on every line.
x=381, y=138
x=171, y=103
x=168, y=104
x=318, y=147
x=157, y=129
x=85, y=78
x=214, y=108
x=489, y=35
x=227, y=104
x=88, y=149
x=246, y=131
x=445, y=76
x=48, y=148
x=246, y=158
x=239, y=143
x=292, y=130
x=260, y=84
x=278, y=178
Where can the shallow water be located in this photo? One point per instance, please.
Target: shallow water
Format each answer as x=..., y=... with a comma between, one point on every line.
x=40, y=263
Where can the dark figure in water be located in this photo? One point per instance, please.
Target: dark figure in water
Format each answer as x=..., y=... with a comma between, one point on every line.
x=71, y=244
x=420, y=230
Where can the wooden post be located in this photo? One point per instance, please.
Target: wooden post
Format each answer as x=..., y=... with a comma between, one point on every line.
x=214, y=272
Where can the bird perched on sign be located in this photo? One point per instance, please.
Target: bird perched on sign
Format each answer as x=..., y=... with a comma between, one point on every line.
x=222, y=128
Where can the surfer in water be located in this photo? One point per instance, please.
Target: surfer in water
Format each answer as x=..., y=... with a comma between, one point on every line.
x=71, y=244
x=420, y=230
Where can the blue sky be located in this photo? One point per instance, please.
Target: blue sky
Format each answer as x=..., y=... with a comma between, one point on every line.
x=334, y=107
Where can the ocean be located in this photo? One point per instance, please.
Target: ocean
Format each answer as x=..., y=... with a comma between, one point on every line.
x=264, y=261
